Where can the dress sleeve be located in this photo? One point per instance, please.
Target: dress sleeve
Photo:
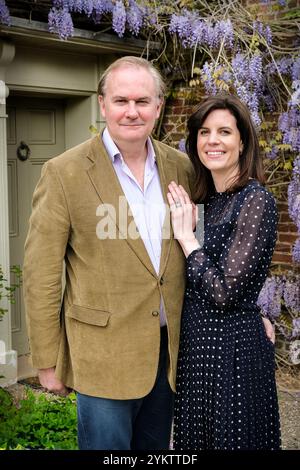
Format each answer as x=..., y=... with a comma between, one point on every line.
x=225, y=281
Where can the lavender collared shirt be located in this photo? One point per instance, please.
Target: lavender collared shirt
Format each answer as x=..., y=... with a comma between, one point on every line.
x=147, y=205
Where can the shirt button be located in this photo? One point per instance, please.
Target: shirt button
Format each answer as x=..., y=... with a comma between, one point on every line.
x=155, y=313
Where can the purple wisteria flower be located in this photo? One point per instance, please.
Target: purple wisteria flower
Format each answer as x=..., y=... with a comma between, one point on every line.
x=294, y=196
x=224, y=31
x=273, y=154
x=67, y=4
x=248, y=82
x=294, y=206
x=289, y=121
x=208, y=80
x=4, y=13
x=296, y=167
x=289, y=125
x=269, y=299
x=184, y=25
x=181, y=145
x=280, y=2
x=60, y=22
x=296, y=69
x=296, y=327
x=284, y=65
x=268, y=101
x=296, y=251
x=295, y=352
x=240, y=67
x=255, y=70
x=262, y=30
x=295, y=98
x=119, y=18
x=135, y=17
x=291, y=294
x=87, y=7
x=103, y=6
x=196, y=31
x=293, y=191
x=296, y=212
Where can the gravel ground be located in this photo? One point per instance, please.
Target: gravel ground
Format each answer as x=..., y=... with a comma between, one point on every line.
x=289, y=405
x=288, y=386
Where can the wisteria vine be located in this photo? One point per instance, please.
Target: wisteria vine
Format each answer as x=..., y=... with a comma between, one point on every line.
x=223, y=47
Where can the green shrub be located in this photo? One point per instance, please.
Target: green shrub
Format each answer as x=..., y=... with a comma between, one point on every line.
x=38, y=422
x=7, y=291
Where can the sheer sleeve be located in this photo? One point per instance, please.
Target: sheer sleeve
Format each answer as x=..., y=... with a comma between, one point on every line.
x=224, y=282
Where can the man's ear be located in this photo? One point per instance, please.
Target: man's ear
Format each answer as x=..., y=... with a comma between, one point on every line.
x=159, y=106
x=101, y=104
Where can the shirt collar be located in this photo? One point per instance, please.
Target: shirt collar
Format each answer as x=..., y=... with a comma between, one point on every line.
x=114, y=152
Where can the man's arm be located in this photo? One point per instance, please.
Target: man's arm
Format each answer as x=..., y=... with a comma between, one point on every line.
x=43, y=263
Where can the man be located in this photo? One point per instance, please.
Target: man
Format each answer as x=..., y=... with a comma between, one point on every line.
x=101, y=207
x=115, y=338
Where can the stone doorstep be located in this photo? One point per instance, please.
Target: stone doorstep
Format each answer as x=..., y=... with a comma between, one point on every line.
x=8, y=367
x=25, y=369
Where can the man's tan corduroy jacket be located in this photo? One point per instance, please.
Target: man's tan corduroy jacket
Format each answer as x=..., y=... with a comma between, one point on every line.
x=104, y=335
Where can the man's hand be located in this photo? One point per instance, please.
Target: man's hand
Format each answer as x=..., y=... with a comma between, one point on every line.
x=50, y=382
x=270, y=332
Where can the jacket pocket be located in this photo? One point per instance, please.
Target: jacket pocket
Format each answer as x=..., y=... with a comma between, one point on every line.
x=88, y=315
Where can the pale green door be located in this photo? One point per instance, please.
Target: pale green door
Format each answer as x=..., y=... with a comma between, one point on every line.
x=35, y=130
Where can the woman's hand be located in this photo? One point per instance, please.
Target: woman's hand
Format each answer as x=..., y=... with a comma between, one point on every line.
x=270, y=331
x=184, y=217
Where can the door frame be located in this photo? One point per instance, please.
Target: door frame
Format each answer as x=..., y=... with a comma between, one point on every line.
x=81, y=112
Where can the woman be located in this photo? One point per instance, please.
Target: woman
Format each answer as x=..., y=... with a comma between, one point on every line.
x=226, y=391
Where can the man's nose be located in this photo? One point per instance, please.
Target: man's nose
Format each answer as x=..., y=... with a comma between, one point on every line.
x=131, y=110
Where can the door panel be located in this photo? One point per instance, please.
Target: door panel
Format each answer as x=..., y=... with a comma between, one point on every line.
x=38, y=123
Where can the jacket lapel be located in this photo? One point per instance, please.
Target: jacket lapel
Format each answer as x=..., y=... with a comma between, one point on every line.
x=167, y=172
x=109, y=190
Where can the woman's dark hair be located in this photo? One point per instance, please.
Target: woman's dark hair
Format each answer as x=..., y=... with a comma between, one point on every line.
x=250, y=163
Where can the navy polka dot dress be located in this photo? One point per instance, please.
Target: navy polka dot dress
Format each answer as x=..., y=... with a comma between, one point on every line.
x=226, y=393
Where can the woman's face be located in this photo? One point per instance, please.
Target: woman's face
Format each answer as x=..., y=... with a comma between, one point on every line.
x=219, y=144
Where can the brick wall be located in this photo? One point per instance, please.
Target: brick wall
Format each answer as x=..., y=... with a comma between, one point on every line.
x=263, y=9
x=177, y=110
x=287, y=235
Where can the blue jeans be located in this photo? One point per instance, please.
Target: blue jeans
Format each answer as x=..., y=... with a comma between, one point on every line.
x=137, y=424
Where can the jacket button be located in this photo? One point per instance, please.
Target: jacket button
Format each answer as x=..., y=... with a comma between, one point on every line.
x=155, y=313
x=161, y=281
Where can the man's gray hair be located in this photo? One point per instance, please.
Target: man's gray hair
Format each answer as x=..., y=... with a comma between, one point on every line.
x=132, y=61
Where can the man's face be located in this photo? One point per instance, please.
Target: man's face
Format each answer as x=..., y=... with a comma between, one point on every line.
x=130, y=105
